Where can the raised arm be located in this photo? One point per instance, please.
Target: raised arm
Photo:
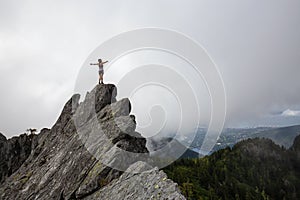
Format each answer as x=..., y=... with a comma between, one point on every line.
x=104, y=62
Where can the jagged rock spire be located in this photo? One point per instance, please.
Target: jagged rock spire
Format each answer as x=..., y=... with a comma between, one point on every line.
x=75, y=159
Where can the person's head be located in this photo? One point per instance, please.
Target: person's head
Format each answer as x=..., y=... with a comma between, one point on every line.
x=99, y=60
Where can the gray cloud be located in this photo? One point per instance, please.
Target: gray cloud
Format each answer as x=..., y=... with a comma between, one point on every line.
x=43, y=44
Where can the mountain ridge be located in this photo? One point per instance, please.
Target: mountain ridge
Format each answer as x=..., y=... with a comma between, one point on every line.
x=82, y=156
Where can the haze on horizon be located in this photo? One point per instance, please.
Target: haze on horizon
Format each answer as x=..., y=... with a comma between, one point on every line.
x=254, y=44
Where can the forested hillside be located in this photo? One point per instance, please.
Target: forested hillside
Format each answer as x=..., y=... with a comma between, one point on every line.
x=252, y=169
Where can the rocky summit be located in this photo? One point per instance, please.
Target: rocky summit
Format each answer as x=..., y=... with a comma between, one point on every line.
x=91, y=152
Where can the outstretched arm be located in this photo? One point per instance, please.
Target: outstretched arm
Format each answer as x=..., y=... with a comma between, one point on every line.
x=93, y=63
x=104, y=62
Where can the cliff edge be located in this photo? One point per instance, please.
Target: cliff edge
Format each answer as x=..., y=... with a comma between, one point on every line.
x=91, y=152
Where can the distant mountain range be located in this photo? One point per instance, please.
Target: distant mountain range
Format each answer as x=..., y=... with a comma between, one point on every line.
x=283, y=136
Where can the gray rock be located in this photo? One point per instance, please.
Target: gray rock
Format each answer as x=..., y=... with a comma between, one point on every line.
x=84, y=156
x=14, y=152
x=150, y=183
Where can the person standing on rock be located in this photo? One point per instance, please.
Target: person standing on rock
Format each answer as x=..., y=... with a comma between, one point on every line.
x=101, y=70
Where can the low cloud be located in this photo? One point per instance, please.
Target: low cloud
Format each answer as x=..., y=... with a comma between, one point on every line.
x=291, y=113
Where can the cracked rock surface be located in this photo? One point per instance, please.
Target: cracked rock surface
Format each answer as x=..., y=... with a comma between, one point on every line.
x=91, y=152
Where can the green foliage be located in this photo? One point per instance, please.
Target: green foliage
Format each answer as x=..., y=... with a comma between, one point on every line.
x=253, y=169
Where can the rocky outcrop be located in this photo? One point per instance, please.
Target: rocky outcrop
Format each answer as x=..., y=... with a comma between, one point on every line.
x=150, y=183
x=14, y=152
x=91, y=152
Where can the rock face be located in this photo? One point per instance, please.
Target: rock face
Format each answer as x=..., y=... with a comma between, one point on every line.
x=14, y=152
x=91, y=152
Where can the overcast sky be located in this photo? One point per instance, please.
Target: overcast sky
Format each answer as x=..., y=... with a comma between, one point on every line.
x=255, y=44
